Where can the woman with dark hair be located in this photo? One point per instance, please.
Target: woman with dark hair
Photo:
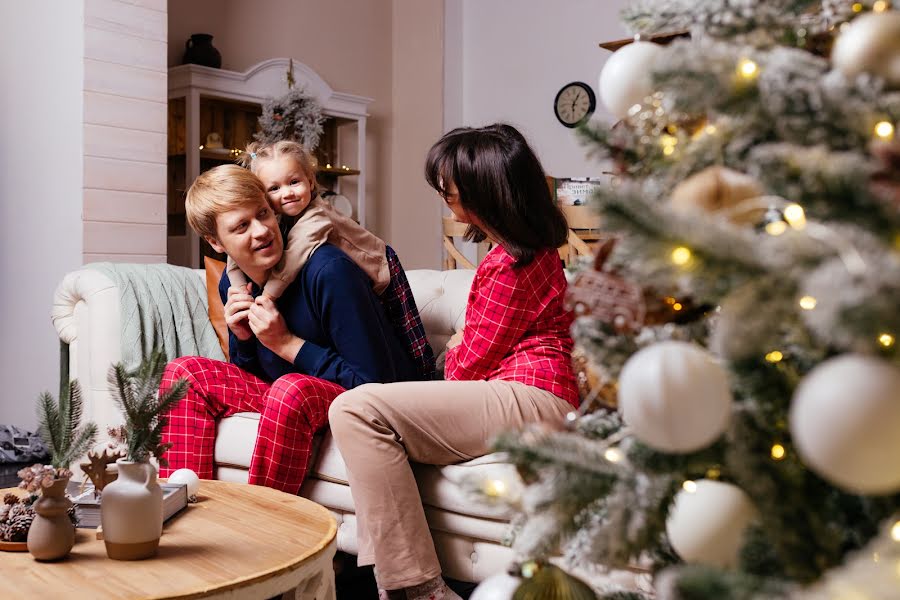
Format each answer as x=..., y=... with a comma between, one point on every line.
x=509, y=366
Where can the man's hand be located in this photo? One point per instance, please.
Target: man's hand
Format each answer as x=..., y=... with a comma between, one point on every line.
x=455, y=339
x=237, y=311
x=269, y=327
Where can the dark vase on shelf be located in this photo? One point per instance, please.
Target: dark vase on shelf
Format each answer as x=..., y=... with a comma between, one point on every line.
x=199, y=51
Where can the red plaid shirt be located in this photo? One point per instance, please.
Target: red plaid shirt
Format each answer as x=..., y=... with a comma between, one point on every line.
x=516, y=328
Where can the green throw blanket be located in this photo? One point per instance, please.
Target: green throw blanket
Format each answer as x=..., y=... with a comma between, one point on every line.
x=162, y=306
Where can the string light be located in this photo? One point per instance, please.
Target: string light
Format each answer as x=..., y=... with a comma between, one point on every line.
x=895, y=532
x=880, y=6
x=713, y=473
x=201, y=146
x=886, y=340
x=795, y=216
x=776, y=228
x=677, y=306
x=808, y=302
x=857, y=7
x=774, y=356
x=778, y=451
x=748, y=69
x=613, y=455
x=681, y=256
x=495, y=488
x=689, y=486
x=668, y=143
x=529, y=569
x=884, y=130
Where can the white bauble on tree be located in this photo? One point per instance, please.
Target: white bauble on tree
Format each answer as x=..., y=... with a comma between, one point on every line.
x=706, y=525
x=625, y=78
x=870, y=44
x=501, y=586
x=845, y=422
x=674, y=397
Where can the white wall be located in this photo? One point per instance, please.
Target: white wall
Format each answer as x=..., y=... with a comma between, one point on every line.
x=516, y=55
x=41, y=140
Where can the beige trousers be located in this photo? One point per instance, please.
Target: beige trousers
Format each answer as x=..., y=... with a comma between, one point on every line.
x=380, y=428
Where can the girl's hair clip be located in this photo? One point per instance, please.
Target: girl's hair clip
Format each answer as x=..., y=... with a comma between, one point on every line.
x=253, y=156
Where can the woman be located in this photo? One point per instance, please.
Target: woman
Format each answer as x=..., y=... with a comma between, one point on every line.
x=509, y=366
x=290, y=357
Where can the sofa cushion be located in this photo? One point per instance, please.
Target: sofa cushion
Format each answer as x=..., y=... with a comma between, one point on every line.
x=216, y=309
x=441, y=487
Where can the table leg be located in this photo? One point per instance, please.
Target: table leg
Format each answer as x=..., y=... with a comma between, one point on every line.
x=318, y=586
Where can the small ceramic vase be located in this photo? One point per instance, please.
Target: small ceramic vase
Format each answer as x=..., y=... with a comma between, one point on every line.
x=52, y=534
x=131, y=512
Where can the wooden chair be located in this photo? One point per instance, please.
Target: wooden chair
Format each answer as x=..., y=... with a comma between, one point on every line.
x=455, y=259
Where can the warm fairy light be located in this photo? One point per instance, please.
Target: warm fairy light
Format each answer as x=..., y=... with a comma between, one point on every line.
x=670, y=300
x=778, y=451
x=571, y=416
x=774, y=356
x=748, y=69
x=776, y=228
x=710, y=129
x=668, y=143
x=895, y=531
x=495, y=488
x=875, y=557
x=880, y=6
x=328, y=166
x=613, y=455
x=886, y=340
x=201, y=146
x=681, y=256
x=713, y=473
x=529, y=569
x=689, y=486
x=857, y=7
x=808, y=302
x=884, y=130
x=677, y=306
x=794, y=215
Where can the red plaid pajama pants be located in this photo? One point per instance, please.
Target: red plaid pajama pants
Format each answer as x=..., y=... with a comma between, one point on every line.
x=291, y=410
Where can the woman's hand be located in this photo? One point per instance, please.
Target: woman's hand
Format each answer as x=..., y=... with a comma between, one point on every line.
x=237, y=312
x=269, y=327
x=455, y=339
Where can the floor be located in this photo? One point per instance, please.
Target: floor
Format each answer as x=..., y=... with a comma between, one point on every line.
x=358, y=583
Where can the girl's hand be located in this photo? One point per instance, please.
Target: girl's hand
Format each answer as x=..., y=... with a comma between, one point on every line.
x=237, y=312
x=269, y=327
x=455, y=339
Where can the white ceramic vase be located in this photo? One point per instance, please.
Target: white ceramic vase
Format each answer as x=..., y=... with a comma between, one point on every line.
x=131, y=512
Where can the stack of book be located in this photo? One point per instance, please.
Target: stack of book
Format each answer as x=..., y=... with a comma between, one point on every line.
x=87, y=506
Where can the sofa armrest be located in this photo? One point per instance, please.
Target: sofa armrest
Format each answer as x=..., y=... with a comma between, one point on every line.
x=86, y=315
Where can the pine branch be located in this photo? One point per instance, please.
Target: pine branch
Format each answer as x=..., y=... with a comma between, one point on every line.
x=82, y=441
x=49, y=426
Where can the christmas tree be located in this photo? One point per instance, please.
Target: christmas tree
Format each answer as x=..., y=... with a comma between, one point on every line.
x=741, y=434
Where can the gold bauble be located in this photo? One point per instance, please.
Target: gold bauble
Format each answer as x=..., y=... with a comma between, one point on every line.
x=716, y=189
x=552, y=583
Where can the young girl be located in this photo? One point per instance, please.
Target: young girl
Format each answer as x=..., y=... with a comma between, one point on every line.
x=510, y=365
x=288, y=173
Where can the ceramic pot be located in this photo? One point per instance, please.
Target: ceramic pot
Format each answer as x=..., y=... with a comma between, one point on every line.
x=52, y=535
x=199, y=51
x=131, y=512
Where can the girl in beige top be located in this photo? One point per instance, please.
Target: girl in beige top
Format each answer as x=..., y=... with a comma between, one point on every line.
x=288, y=173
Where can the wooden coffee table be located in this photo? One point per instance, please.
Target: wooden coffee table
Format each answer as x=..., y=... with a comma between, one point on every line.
x=238, y=541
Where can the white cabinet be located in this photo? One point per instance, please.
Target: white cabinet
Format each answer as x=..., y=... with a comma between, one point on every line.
x=203, y=100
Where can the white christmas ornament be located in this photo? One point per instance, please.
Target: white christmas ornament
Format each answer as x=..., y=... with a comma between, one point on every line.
x=187, y=477
x=870, y=44
x=674, y=397
x=707, y=525
x=845, y=422
x=625, y=78
x=501, y=586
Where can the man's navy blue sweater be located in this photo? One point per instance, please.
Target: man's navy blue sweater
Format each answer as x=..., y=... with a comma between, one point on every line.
x=347, y=337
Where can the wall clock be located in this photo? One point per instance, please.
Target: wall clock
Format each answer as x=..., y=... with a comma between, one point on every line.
x=574, y=103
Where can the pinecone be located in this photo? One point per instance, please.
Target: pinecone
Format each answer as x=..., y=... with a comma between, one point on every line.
x=4, y=532
x=18, y=527
x=72, y=516
x=9, y=498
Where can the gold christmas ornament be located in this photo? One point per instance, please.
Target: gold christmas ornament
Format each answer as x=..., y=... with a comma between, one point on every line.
x=716, y=189
x=549, y=582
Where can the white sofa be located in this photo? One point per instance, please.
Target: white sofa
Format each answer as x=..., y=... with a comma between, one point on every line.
x=467, y=535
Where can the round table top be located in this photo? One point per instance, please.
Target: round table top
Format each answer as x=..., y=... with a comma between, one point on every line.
x=234, y=537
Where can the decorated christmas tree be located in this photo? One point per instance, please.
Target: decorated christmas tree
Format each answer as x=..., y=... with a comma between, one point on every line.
x=740, y=437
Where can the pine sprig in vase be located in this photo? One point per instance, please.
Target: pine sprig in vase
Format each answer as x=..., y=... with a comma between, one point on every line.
x=60, y=427
x=136, y=392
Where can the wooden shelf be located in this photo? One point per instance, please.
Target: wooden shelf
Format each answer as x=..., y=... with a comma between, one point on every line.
x=338, y=171
x=660, y=38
